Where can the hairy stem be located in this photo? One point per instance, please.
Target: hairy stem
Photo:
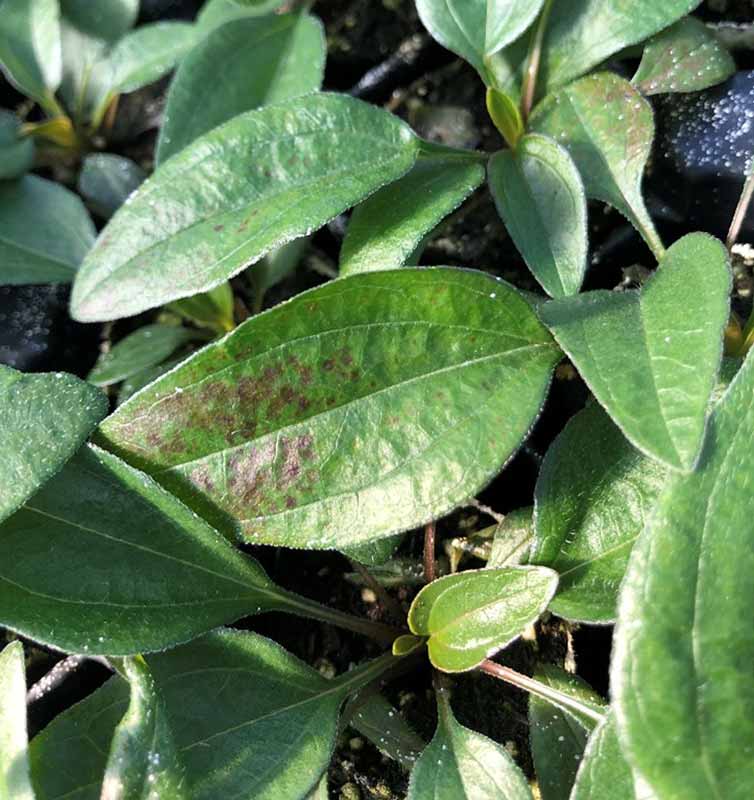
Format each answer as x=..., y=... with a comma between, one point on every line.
x=429, y=552
x=741, y=210
x=534, y=59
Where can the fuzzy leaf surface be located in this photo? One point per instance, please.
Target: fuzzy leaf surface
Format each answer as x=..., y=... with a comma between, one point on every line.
x=202, y=217
x=652, y=357
x=387, y=228
x=684, y=702
x=50, y=249
x=15, y=780
x=540, y=197
x=469, y=616
x=45, y=419
x=292, y=430
x=607, y=127
x=603, y=771
x=265, y=60
x=594, y=493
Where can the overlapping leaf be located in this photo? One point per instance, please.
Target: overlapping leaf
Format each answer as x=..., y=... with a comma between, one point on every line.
x=540, y=196
x=684, y=701
x=45, y=419
x=389, y=226
x=469, y=616
x=217, y=12
x=603, y=771
x=106, y=181
x=203, y=217
x=15, y=781
x=416, y=384
x=265, y=60
x=673, y=330
x=16, y=153
x=106, y=19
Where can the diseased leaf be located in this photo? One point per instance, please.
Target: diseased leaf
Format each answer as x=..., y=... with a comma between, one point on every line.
x=673, y=331
x=416, y=384
x=469, y=616
x=603, y=771
x=558, y=737
x=684, y=700
x=594, y=494
x=388, y=227
x=265, y=60
x=687, y=57
x=540, y=197
x=464, y=765
x=16, y=152
x=144, y=348
x=143, y=378
x=107, y=180
x=176, y=578
x=105, y=19
x=143, y=763
x=15, y=782
x=512, y=539
x=45, y=419
x=30, y=47
x=475, y=29
x=607, y=127
x=201, y=219
x=49, y=249
x=217, y=12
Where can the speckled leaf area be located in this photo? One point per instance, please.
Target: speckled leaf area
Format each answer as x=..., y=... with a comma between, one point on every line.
x=364, y=407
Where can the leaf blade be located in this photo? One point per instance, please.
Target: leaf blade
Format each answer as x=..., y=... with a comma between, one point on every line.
x=15, y=781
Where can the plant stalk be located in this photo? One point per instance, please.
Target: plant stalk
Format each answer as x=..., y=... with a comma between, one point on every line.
x=533, y=61
x=741, y=210
x=429, y=553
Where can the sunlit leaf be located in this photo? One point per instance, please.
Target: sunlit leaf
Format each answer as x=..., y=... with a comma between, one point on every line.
x=15, y=782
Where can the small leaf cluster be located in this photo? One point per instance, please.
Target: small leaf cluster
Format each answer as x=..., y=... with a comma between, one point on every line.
x=360, y=411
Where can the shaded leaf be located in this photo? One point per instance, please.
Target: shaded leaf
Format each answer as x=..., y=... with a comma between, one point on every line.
x=607, y=127
x=105, y=19
x=213, y=309
x=416, y=384
x=15, y=781
x=176, y=577
x=684, y=701
x=512, y=539
x=603, y=771
x=30, y=47
x=200, y=219
x=673, y=331
x=277, y=265
x=475, y=29
x=143, y=762
x=143, y=378
x=687, y=57
x=265, y=60
x=594, y=494
x=107, y=180
x=16, y=152
x=540, y=197
x=217, y=12
x=558, y=737
x=469, y=616
x=50, y=249
x=145, y=347
x=388, y=227
x=464, y=765
x=45, y=419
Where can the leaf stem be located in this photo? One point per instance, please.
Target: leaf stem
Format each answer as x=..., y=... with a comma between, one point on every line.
x=429, y=552
x=533, y=61
x=741, y=209
x=360, y=676
x=58, y=674
x=540, y=689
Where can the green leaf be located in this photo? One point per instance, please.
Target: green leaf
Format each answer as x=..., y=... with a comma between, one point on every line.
x=265, y=60
x=607, y=127
x=84, y=83
x=540, y=197
x=594, y=494
x=201, y=219
x=687, y=57
x=143, y=378
x=30, y=47
x=320, y=790
x=217, y=12
x=603, y=771
x=464, y=765
x=15, y=783
x=476, y=29
x=46, y=418
x=277, y=265
x=684, y=700
x=213, y=309
x=504, y=113
x=469, y=616
x=416, y=384
x=16, y=152
x=512, y=539
x=176, y=578
x=558, y=737
x=105, y=19
x=50, y=249
x=107, y=180
x=388, y=227
x=143, y=762
x=145, y=347
x=652, y=357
